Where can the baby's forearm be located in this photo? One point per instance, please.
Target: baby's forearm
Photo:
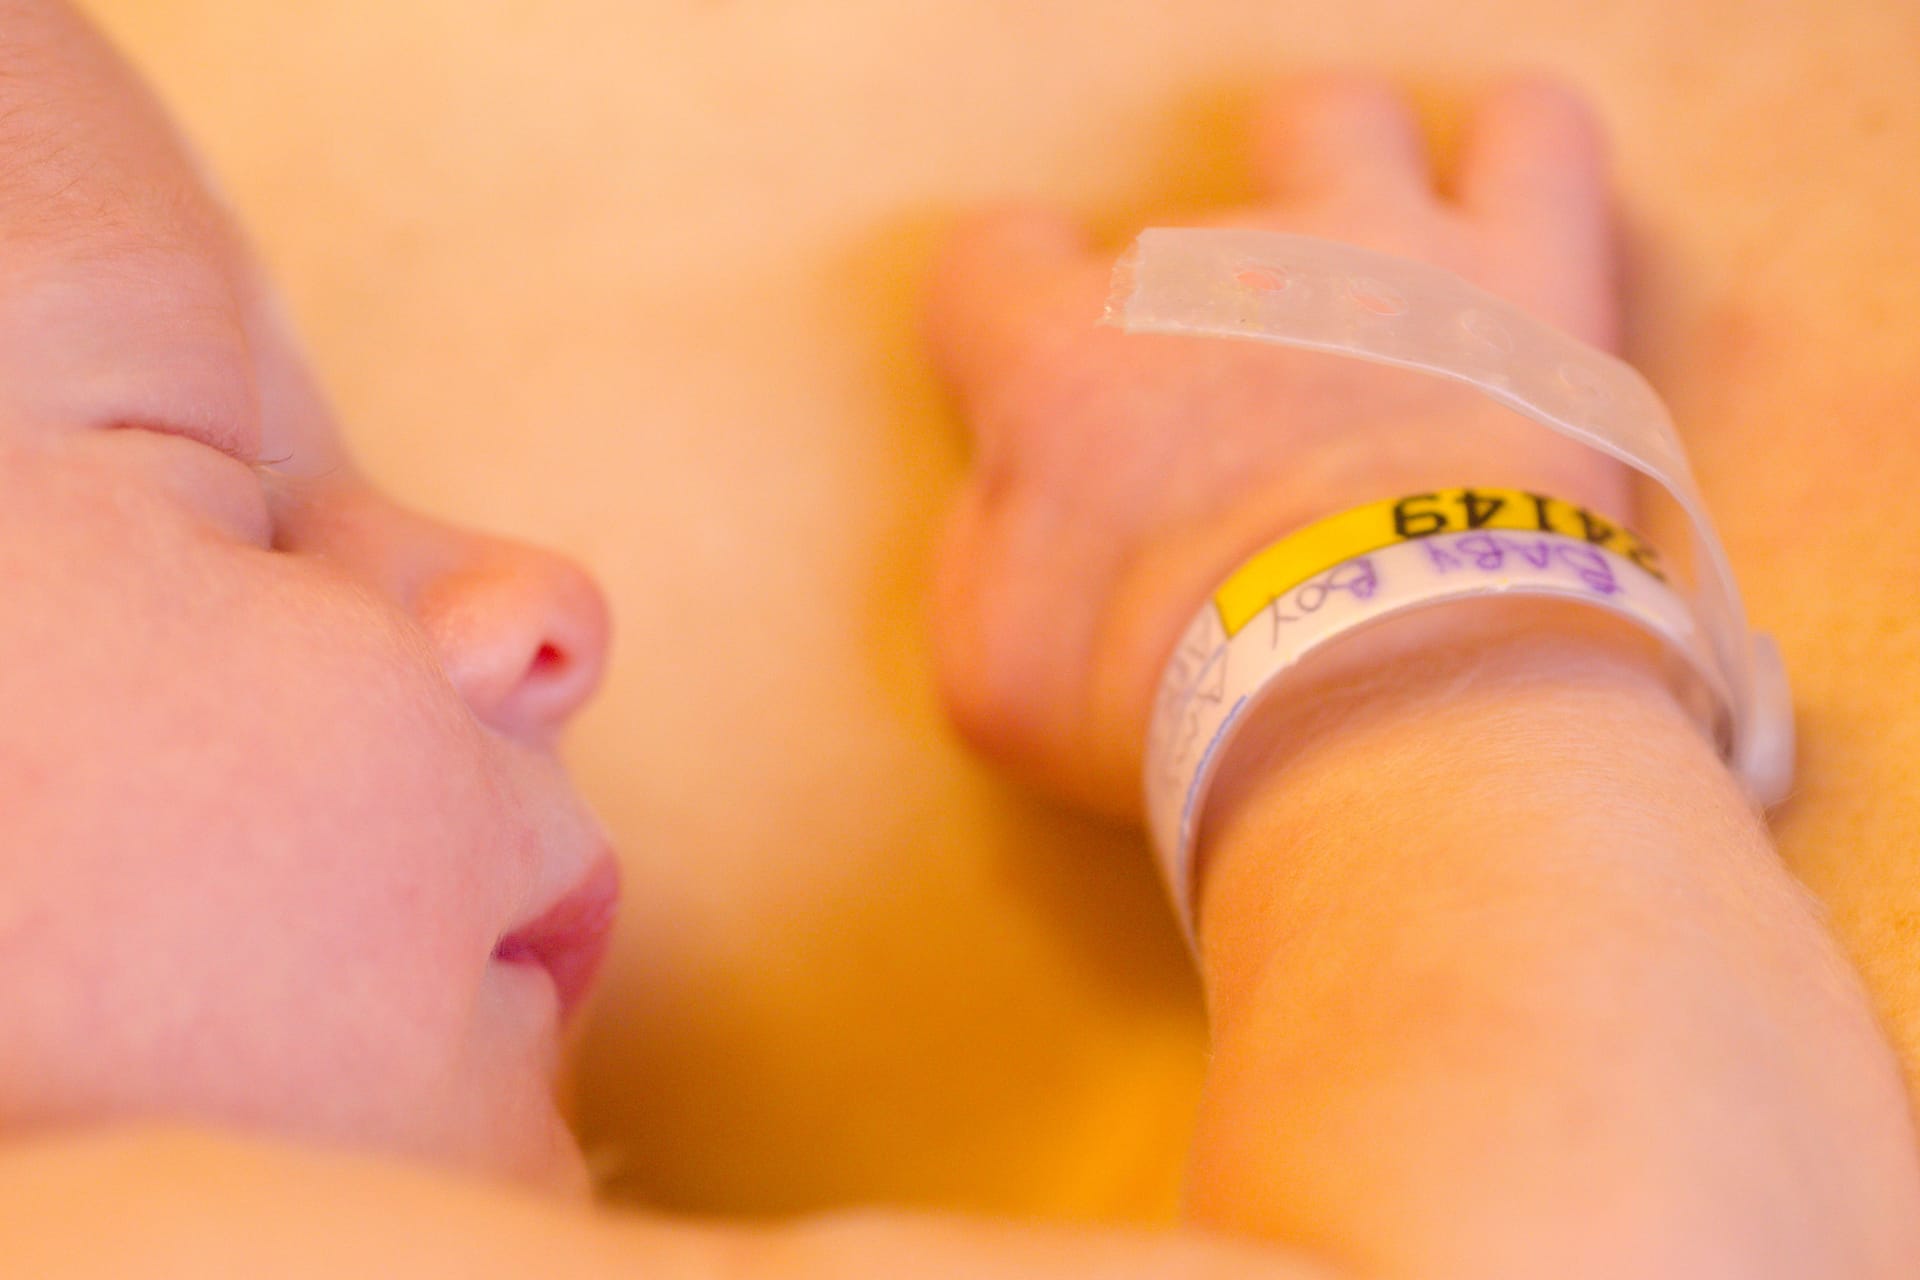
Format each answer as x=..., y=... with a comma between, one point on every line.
x=1506, y=980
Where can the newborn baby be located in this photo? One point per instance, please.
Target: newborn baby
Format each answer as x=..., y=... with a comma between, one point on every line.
x=286, y=852
x=284, y=840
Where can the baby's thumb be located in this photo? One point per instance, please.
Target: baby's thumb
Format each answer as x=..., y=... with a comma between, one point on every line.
x=989, y=292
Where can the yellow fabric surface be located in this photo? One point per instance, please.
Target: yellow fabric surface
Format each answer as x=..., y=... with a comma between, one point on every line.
x=639, y=279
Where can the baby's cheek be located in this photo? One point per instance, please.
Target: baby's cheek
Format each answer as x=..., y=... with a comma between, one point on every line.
x=255, y=851
x=405, y=784
x=399, y=858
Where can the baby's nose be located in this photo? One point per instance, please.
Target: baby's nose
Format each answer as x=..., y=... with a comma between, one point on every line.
x=522, y=633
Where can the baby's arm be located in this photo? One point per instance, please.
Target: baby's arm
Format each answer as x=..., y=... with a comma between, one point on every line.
x=1505, y=978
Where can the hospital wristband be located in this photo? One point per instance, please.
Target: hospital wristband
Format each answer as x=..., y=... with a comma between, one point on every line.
x=1360, y=567
x=1379, y=525
x=1344, y=301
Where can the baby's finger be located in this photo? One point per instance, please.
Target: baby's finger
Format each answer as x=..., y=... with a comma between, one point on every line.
x=1533, y=172
x=990, y=288
x=1340, y=135
x=120, y=278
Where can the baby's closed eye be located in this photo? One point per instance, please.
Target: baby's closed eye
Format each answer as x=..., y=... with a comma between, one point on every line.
x=209, y=482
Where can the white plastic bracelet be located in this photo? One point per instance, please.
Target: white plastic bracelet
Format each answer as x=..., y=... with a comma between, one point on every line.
x=1333, y=297
x=1215, y=674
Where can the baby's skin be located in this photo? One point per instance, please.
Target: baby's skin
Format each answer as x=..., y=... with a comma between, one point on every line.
x=1119, y=478
x=298, y=901
x=284, y=841
x=1443, y=874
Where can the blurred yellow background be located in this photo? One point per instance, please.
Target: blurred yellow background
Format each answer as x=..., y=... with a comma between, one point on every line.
x=639, y=280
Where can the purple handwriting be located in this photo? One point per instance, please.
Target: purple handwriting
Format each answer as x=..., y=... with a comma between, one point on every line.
x=1490, y=553
x=1357, y=578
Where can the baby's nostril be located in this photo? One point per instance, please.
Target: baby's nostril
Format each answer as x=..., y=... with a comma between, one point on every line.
x=547, y=660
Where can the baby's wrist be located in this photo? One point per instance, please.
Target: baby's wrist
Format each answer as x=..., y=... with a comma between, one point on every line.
x=1415, y=711
x=1171, y=579
x=1406, y=666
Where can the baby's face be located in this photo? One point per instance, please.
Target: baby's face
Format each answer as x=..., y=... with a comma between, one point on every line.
x=282, y=838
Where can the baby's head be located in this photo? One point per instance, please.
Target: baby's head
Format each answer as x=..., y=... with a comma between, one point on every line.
x=276, y=781
x=283, y=841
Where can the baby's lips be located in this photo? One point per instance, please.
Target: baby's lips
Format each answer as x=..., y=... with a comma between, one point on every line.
x=569, y=939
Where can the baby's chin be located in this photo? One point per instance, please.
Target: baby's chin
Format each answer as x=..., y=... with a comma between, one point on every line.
x=542, y=1155
x=547, y=1161
x=563, y=1172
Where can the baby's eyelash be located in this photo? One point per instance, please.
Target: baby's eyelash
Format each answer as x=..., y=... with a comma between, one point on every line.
x=270, y=468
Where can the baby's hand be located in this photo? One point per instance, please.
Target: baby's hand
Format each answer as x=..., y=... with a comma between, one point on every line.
x=1118, y=478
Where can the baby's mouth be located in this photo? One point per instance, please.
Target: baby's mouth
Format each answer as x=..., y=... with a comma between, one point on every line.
x=569, y=938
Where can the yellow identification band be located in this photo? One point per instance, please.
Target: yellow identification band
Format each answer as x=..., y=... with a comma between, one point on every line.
x=1286, y=564
x=1437, y=548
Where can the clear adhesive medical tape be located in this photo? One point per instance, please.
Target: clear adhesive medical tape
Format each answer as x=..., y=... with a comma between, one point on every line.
x=1326, y=296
